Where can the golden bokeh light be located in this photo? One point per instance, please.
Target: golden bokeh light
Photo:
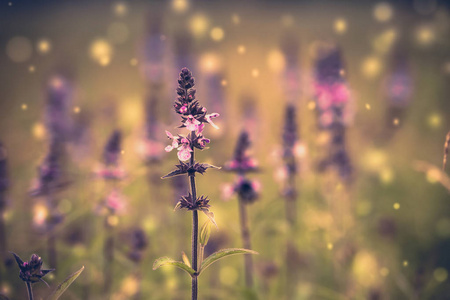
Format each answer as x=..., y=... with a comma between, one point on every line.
x=383, y=12
x=217, y=34
x=235, y=19
x=43, y=46
x=38, y=131
x=210, y=63
x=101, y=52
x=255, y=72
x=198, y=25
x=425, y=35
x=371, y=67
x=120, y=9
x=180, y=6
x=340, y=26
x=276, y=61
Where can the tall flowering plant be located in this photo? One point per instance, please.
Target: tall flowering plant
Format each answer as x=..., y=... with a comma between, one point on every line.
x=247, y=191
x=333, y=105
x=194, y=117
x=113, y=204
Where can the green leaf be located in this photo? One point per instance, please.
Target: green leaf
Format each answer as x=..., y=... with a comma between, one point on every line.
x=162, y=261
x=210, y=216
x=64, y=285
x=205, y=232
x=221, y=254
x=185, y=259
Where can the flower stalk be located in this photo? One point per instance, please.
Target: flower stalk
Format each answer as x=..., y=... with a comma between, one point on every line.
x=247, y=192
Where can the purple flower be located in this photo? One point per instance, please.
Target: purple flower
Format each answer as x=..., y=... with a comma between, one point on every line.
x=209, y=117
x=191, y=123
x=112, y=151
x=242, y=162
x=31, y=271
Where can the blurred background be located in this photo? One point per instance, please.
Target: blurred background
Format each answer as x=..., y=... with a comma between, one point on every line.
x=86, y=94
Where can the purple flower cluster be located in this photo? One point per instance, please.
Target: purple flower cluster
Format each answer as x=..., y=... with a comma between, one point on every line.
x=334, y=110
x=31, y=271
x=193, y=118
x=242, y=163
x=331, y=91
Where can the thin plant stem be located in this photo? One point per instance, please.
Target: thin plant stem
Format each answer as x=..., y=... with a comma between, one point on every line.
x=194, y=239
x=51, y=235
x=3, y=241
x=245, y=232
x=108, y=252
x=30, y=291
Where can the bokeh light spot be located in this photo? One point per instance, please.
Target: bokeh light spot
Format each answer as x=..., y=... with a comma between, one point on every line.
x=120, y=9
x=210, y=63
x=38, y=131
x=440, y=274
x=276, y=61
x=371, y=67
x=198, y=25
x=235, y=19
x=43, y=46
x=383, y=12
x=396, y=206
x=425, y=35
x=180, y=6
x=340, y=26
x=217, y=34
x=101, y=52
x=255, y=73
x=241, y=49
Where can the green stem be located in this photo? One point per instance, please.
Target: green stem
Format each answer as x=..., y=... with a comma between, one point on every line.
x=245, y=232
x=30, y=291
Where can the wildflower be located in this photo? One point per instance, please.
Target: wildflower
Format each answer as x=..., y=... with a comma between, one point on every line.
x=112, y=150
x=31, y=271
x=139, y=243
x=242, y=162
x=247, y=190
x=209, y=117
x=191, y=123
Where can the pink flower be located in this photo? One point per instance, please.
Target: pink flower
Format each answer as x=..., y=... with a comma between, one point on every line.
x=174, y=142
x=191, y=123
x=209, y=117
x=227, y=191
x=184, y=152
x=115, y=202
x=183, y=109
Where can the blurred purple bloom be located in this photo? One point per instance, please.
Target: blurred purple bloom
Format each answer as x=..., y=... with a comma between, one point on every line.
x=31, y=271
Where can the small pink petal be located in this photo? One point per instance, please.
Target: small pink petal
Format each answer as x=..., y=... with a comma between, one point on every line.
x=169, y=135
x=168, y=148
x=184, y=154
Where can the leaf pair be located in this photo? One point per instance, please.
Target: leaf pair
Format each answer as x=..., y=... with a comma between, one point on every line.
x=163, y=261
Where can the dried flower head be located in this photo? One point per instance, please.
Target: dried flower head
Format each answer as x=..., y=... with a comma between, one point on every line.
x=31, y=271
